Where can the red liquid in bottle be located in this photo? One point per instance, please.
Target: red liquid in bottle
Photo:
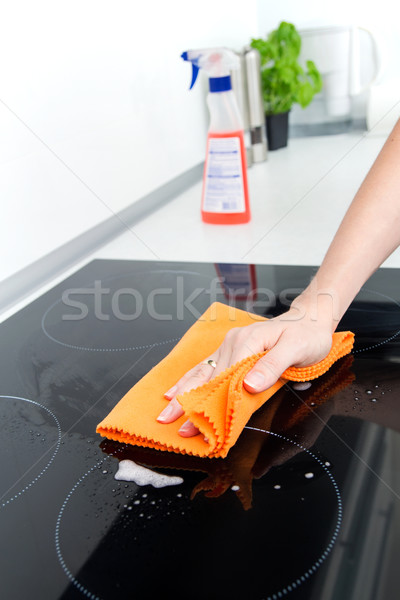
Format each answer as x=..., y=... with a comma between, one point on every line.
x=225, y=197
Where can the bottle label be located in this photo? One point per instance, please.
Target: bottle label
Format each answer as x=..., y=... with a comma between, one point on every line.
x=224, y=190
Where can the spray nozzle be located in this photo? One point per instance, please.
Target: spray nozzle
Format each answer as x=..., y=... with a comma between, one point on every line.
x=195, y=67
x=216, y=62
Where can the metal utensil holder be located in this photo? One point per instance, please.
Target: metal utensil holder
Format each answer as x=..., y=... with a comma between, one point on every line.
x=246, y=83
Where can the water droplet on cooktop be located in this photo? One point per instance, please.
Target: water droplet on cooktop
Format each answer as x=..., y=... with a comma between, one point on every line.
x=136, y=502
x=235, y=488
x=277, y=487
x=373, y=399
x=105, y=472
x=327, y=463
x=309, y=475
x=368, y=391
x=301, y=385
x=312, y=403
x=356, y=398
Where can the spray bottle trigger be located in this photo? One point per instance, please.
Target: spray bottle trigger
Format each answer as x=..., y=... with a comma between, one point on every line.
x=195, y=67
x=195, y=72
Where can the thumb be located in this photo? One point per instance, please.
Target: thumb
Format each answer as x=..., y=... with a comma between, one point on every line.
x=269, y=368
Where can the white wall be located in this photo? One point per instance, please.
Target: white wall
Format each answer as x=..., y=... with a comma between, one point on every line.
x=95, y=110
x=381, y=18
x=380, y=104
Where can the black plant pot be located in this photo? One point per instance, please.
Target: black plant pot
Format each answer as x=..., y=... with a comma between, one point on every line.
x=277, y=127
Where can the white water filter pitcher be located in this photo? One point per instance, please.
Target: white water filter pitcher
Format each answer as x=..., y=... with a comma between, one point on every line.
x=348, y=59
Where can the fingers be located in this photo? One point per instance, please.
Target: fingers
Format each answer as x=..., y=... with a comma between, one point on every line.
x=254, y=339
x=225, y=353
x=171, y=412
x=188, y=430
x=197, y=376
x=240, y=343
x=270, y=367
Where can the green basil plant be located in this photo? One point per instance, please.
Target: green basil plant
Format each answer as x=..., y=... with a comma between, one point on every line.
x=284, y=81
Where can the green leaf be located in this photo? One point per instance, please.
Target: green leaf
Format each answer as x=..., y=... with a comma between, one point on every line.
x=284, y=80
x=305, y=94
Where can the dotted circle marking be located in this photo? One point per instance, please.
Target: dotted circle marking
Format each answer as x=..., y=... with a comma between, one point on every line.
x=125, y=349
x=389, y=339
x=289, y=588
x=63, y=564
x=315, y=566
x=88, y=349
x=378, y=344
x=29, y=485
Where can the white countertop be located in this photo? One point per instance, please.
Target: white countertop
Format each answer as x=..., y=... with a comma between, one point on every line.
x=298, y=198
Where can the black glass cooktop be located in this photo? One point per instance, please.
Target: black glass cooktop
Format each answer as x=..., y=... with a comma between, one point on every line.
x=306, y=505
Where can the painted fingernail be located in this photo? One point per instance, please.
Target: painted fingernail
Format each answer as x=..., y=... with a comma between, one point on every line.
x=171, y=392
x=165, y=414
x=255, y=380
x=188, y=429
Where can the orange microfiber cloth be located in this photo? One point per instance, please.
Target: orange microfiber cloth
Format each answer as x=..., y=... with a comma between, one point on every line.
x=219, y=408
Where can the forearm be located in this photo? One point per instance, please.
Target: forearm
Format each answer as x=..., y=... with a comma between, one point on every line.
x=368, y=234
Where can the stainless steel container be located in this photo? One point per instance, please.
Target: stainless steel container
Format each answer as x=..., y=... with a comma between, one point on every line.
x=240, y=88
x=255, y=104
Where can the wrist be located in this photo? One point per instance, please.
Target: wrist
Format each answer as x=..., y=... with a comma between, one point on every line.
x=320, y=307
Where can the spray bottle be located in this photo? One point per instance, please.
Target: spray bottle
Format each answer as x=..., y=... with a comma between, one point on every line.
x=225, y=196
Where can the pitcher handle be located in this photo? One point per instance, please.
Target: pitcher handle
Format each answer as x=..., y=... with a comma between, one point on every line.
x=355, y=79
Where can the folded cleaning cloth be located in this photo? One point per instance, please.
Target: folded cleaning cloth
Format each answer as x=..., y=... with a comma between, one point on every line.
x=219, y=408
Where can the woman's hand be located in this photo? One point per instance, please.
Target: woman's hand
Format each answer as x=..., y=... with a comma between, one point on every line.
x=293, y=339
x=368, y=234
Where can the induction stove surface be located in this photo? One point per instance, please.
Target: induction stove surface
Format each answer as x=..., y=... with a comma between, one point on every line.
x=306, y=505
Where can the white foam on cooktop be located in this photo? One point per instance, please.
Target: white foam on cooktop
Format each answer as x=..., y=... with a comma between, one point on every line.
x=130, y=471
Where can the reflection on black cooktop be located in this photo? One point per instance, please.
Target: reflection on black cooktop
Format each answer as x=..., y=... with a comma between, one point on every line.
x=306, y=505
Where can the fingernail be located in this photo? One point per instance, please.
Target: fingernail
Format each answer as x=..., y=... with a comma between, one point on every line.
x=255, y=380
x=166, y=413
x=171, y=392
x=188, y=429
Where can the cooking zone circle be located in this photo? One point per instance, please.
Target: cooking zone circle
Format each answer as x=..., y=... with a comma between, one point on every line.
x=366, y=294
x=130, y=312
x=102, y=521
x=24, y=423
